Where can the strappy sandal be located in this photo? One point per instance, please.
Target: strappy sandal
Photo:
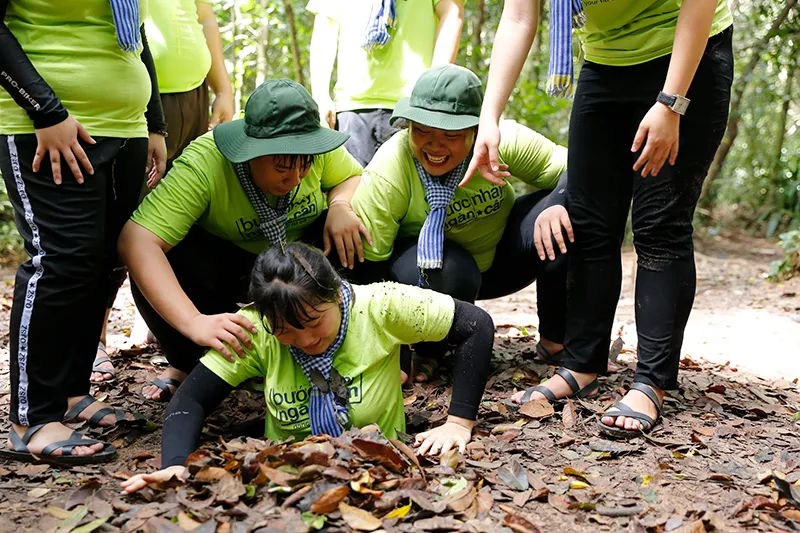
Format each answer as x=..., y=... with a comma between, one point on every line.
x=94, y=420
x=426, y=366
x=577, y=391
x=102, y=360
x=620, y=409
x=543, y=355
x=21, y=452
x=163, y=384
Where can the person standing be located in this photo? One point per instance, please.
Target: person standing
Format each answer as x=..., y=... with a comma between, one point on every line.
x=73, y=159
x=380, y=48
x=650, y=110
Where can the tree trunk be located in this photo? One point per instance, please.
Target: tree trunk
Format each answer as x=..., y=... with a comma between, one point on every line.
x=261, y=46
x=736, y=98
x=298, y=65
x=238, y=68
x=536, y=47
x=477, y=29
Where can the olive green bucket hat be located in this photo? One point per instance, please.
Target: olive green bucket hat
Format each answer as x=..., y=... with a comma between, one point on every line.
x=280, y=118
x=447, y=97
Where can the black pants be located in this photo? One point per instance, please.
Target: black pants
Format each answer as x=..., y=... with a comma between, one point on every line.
x=368, y=129
x=215, y=275
x=516, y=265
x=60, y=293
x=610, y=102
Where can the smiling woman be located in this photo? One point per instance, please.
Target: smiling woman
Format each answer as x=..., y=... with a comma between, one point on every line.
x=318, y=376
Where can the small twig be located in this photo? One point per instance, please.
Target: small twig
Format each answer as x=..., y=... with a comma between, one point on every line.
x=619, y=511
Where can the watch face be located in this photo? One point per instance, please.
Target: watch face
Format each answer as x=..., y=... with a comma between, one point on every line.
x=681, y=105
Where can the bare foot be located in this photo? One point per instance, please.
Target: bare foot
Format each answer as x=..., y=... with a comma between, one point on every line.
x=558, y=386
x=108, y=420
x=152, y=392
x=100, y=377
x=53, y=432
x=639, y=402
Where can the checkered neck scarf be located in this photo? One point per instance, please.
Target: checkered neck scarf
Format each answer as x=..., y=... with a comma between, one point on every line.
x=382, y=16
x=272, y=220
x=564, y=15
x=439, y=192
x=126, y=23
x=326, y=414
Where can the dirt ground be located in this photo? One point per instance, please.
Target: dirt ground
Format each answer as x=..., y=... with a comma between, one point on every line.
x=727, y=457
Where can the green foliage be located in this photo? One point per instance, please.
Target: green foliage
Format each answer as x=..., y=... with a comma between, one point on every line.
x=790, y=264
x=10, y=241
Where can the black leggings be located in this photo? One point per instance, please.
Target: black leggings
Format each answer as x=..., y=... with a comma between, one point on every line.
x=610, y=102
x=516, y=265
x=215, y=275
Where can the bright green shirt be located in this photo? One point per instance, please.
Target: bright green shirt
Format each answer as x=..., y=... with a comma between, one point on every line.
x=73, y=46
x=383, y=317
x=380, y=77
x=178, y=45
x=629, y=32
x=391, y=198
x=202, y=188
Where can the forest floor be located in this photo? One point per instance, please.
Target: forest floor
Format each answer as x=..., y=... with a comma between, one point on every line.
x=726, y=458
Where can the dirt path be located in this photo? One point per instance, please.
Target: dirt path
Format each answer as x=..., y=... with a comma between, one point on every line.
x=726, y=458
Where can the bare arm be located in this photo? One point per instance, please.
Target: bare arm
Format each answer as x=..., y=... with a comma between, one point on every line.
x=661, y=126
x=343, y=228
x=448, y=32
x=144, y=253
x=322, y=51
x=218, y=79
x=512, y=42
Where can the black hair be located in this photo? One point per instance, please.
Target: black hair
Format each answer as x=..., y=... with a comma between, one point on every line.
x=287, y=280
x=302, y=161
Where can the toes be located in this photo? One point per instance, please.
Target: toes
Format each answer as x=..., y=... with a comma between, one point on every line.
x=607, y=420
x=620, y=423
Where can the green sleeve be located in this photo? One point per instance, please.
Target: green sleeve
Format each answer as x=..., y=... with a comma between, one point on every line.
x=410, y=314
x=254, y=362
x=381, y=203
x=530, y=156
x=175, y=205
x=337, y=166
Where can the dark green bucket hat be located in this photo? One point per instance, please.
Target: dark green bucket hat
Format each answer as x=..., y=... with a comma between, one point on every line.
x=280, y=118
x=447, y=97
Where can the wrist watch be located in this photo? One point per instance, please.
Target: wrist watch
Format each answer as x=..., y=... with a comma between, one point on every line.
x=677, y=103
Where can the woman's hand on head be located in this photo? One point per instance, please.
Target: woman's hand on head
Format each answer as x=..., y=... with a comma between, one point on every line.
x=456, y=432
x=156, y=159
x=484, y=156
x=548, y=227
x=660, y=127
x=343, y=231
x=63, y=140
x=140, y=481
x=226, y=333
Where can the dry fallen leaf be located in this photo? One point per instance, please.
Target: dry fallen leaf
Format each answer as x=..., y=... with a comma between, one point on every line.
x=537, y=409
x=359, y=519
x=568, y=415
x=330, y=500
x=38, y=492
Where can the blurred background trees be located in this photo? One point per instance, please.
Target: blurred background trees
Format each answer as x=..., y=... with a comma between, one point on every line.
x=754, y=183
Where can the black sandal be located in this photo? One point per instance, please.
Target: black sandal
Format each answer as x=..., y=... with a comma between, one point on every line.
x=543, y=355
x=102, y=360
x=163, y=384
x=94, y=420
x=21, y=453
x=577, y=391
x=620, y=409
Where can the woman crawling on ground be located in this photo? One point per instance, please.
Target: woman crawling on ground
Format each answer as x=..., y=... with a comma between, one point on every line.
x=329, y=353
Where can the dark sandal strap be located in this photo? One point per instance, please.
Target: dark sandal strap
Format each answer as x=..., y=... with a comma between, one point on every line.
x=650, y=393
x=588, y=389
x=545, y=355
x=68, y=445
x=105, y=411
x=101, y=360
x=85, y=402
x=21, y=443
x=164, y=383
x=547, y=393
x=620, y=409
x=570, y=379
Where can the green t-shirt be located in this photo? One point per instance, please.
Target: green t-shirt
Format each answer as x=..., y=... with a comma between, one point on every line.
x=391, y=198
x=380, y=77
x=73, y=46
x=383, y=317
x=178, y=45
x=202, y=188
x=628, y=32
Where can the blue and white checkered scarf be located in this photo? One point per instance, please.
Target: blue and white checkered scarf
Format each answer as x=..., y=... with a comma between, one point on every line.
x=127, y=22
x=272, y=220
x=382, y=16
x=439, y=192
x=326, y=414
x=564, y=15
